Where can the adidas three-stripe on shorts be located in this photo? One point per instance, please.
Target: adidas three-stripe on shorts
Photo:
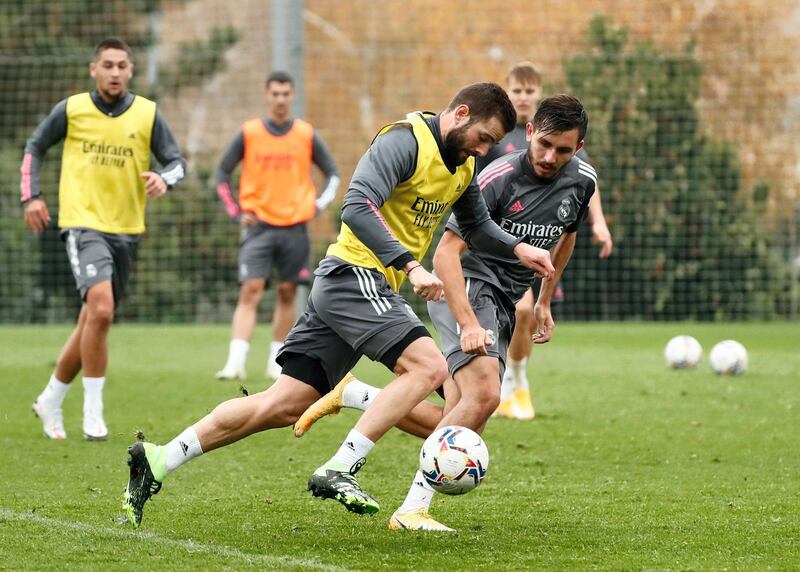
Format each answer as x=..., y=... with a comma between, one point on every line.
x=352, y=311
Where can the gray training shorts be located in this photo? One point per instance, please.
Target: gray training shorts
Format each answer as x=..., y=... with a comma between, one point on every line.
x=351, y=312
x=284, y=248
x=97, y=256
x=492, y=315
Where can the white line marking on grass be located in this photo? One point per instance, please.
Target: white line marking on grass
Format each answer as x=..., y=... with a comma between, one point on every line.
x=190, y=546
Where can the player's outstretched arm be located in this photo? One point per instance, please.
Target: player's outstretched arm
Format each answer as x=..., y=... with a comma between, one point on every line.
x=541, y=311
x=447, y=263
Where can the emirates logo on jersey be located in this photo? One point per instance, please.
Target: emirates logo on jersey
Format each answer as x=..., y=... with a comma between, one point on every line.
x=516, y=207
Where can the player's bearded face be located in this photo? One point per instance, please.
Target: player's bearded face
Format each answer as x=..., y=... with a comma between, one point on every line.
x=455, y=146
x=549, y=152
x=472, y=139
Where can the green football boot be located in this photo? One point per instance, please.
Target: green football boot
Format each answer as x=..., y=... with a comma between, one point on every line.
x=336, y=481
x=148, y=467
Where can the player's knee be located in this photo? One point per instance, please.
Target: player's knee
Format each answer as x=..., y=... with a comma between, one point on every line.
x=286, y=292
x=482, y=398
x=251, y=291
x=489, y=404
x=436, y=373
x=101, y=312
x=424, y=361
x=479, y=384
x=524, y=314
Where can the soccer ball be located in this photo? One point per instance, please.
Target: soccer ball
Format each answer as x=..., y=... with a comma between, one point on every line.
x=683, y=352
x=454, y=460
x=728, y=357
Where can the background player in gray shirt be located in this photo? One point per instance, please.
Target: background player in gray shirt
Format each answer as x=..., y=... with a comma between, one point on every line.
x=542, y=195
x=524, y=88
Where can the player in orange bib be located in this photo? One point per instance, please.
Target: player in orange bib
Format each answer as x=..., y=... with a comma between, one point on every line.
x=277, y=198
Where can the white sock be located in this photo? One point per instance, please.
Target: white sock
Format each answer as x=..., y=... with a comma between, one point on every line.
x=359, y=395
x=518, y=370
x=93, y=394
x=182, y=448
x=54, y=392
x=353, y=448
x=274, y=348
x=237, y=354
x=508, y=386
x=419, y=495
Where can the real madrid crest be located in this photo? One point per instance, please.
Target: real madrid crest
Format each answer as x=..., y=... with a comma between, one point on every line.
x=564, y=210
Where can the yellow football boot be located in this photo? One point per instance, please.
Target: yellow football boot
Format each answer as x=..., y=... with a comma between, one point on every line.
x=523, y=406
x=505, y=408
x=329, y=404
x=416, y=520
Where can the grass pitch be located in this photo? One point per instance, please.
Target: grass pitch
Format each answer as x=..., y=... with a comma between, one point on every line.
x=627, y=466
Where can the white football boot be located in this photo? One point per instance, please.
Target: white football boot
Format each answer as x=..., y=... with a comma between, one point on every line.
x=94, y=427
x=231, y=372
x=52, y=419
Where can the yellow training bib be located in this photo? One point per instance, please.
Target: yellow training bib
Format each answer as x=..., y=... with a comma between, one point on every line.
x=101, y=186
x=413, y=210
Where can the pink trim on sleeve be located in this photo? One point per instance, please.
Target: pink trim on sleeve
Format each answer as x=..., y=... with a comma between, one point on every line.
x=380, y=217
x=489, y=175
x=25, y=182
x=225, y=195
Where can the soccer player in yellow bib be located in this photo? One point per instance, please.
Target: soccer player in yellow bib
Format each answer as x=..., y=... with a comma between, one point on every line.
x=109, y=134
x=414, y=171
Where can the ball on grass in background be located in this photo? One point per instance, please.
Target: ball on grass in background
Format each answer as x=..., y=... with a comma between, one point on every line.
x=454, y=460
x=728, y=357
x=683, y=352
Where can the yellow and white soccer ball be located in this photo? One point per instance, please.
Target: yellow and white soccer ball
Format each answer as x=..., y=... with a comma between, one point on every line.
x=728, y=357
x=683, y=352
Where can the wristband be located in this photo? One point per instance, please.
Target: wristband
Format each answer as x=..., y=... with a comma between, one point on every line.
x=410, y=270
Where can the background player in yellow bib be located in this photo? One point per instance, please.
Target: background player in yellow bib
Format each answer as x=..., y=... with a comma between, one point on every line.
x=414, y=171
x=109, y=134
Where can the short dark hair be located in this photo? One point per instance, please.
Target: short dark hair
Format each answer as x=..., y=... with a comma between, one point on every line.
x=111, y=43
x=561, y=113
x=279, y=76
x=486, y=100
x=525, y=73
